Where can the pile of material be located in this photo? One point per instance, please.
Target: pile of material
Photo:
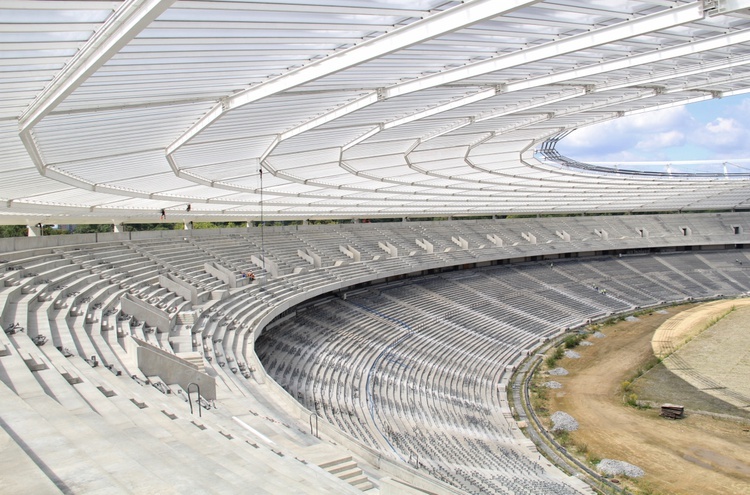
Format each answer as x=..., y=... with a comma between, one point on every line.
x=563, y=422
x=672, y=411
x=612, y=467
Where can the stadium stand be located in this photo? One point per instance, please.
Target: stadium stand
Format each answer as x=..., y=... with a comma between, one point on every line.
x=128, y=359
x=380, y=374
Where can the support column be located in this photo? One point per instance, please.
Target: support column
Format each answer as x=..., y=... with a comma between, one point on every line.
x=188, y=225
x=304, y=221
x=34, y=230
x=118, y=228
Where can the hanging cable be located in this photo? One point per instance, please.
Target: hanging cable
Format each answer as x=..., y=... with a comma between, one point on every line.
x=262, y=229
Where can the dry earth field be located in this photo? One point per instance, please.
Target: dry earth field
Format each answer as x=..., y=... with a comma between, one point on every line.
x=701, y=454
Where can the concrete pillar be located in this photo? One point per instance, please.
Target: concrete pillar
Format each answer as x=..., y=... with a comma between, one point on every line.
x=34, y=230
x=304, y=221
x=187, y=225
x=404, y=219
x=118, y=227
x=248, y=224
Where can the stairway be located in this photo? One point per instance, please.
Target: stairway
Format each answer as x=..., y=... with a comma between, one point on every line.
x=346, y=469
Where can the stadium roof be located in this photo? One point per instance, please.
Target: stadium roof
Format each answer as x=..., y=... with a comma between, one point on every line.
x=114, y=110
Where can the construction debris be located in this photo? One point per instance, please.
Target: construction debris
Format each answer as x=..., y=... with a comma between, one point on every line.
x=672, y=411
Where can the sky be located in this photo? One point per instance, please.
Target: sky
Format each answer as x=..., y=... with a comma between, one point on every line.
x=716, y=129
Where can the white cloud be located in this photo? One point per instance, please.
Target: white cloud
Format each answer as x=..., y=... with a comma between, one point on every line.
x=717, y=129
x=661, y=140
x=723, y=133
x=638, y=137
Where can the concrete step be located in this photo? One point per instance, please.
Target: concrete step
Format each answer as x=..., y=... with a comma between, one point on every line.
x=25, y=475
x=362, y=483
x=67, y=463
x=334, y=462
x=347, y=469
x=342, y=468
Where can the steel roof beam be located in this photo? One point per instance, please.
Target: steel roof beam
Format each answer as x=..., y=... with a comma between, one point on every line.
x=654, y=22
x=124, y=24
x=654, y=56
x=425, y=29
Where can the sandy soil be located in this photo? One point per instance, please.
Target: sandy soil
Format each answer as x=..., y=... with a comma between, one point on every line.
x=718, y=360
x=696, y=455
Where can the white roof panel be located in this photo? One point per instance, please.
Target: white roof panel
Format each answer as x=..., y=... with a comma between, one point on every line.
x=342, y=103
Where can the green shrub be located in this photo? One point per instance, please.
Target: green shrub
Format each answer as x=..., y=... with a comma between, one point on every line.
x=559, y=353
x=562, y=437
x=553, y=358
x=572, y=341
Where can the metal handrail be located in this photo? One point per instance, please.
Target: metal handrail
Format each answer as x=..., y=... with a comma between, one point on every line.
x=190, y=401
x=314, y=431
x=415, y=456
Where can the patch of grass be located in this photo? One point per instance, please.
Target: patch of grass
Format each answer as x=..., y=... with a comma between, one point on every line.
x=572, y=341
x=632, y=401
x=562, y=437
x=644, y=487
x=553, y=358
x=539, y=396
x=647, y=366
x=713, y=321
x=582, y=448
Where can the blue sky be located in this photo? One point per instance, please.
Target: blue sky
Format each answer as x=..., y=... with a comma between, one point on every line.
x=716, y=129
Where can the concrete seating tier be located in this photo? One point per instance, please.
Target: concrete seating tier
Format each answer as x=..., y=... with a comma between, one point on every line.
x=412, y=370
x=398, y=366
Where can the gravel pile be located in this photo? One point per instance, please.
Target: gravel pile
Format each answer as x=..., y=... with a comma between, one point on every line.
x=585, y=343
x=563, y=422
x=552, y=384
x=611, y=467
x=599, y=335
x=558, y=372
x=631, y=318
x=572, y=354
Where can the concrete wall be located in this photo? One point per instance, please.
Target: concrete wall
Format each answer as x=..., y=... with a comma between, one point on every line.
x=696, y=223
x=143, y=311
x=180, y=287
x=222, y=273
x=152, y=361
x=10, y=244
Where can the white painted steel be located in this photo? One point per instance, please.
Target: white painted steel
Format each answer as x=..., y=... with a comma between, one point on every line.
x=113, y=110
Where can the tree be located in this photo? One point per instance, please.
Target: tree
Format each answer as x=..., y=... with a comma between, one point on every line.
x=13, y=231
x=92, y=228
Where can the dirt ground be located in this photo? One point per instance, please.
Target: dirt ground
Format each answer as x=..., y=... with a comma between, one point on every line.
x=718, y=360
x=697, y=455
